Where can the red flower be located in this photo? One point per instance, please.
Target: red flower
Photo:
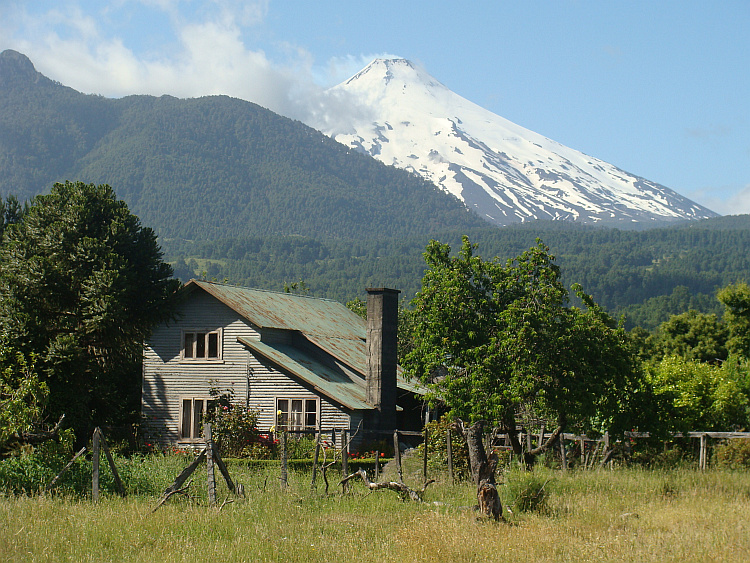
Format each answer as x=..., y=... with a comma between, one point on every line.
x=382, y=454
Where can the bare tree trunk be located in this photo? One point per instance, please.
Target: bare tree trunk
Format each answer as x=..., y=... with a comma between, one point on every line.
x=482, y=467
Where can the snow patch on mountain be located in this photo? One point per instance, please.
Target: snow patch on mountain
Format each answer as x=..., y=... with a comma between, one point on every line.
x=506, y=173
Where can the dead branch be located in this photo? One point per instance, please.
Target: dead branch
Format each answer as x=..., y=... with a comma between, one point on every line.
x=64, y=469
x=324, y=466
x=404, y=491
x=34, y=438
x=226, y=501
x=184, y=491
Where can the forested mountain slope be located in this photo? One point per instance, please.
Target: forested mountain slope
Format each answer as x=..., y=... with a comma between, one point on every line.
x=647, y=275
x=209, y=167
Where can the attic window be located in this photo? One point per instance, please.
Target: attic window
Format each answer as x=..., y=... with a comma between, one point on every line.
x=201, y=345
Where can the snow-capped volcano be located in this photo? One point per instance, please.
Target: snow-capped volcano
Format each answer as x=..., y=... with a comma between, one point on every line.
x=504, y=172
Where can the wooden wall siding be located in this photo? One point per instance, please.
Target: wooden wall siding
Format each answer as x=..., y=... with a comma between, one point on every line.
x=267, y=384
x=167, y=379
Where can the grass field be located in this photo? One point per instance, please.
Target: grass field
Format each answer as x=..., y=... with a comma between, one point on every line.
x=605, y=515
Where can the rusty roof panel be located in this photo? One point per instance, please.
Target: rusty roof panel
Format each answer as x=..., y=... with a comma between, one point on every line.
x=354, y=354
x=271, y=309
x=327, y=381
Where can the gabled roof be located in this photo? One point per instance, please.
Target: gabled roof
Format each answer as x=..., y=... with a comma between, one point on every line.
x=287, y=311
x=326, y=324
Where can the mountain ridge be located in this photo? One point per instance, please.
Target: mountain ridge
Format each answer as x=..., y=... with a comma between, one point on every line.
x=503, y=171
x=209, y=167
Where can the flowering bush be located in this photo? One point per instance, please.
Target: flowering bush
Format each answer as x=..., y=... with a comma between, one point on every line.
x=233, y=426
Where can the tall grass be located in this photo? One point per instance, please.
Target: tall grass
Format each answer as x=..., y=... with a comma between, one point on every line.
x=620, y=515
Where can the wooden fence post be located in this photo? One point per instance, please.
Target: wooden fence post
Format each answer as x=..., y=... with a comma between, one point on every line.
x=284, y=459
x=397, y=455
x=377, y=465
x=563, y=454
x=449, y=447
x=583, y=452
x=703, y=456
x=344, y=454
x=211, y=478
x=112, y=467
x=316, y=457
x=95, y=472
x=424, y=460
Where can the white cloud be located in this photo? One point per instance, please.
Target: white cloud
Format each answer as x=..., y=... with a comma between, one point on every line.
x=725, y=201
x=204, y=53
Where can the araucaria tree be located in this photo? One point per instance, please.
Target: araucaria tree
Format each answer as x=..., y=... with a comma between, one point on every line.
x=496, y=339
x=82, y=284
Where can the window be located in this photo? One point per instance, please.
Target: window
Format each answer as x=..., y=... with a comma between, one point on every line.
x=191, y=418
x=298, y=414
x=201, y=345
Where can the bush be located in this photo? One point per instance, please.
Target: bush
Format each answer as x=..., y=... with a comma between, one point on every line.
x=234, y=427
x=437, y=449
x=526, y=492
x=733, y=454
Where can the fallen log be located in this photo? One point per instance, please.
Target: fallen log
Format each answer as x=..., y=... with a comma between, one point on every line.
x=404, y=491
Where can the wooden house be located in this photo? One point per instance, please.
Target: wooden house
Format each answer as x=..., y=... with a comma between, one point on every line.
x=318, y=363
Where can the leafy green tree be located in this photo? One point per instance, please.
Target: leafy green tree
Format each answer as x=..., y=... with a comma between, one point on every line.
x=693, y=336
x=11, y=212
x=736, y=300
x=696, y=396
x=22, y=395
x=493, y=339
x=82, y=283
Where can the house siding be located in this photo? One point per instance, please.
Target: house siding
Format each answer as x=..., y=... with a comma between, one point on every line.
x=167, y=378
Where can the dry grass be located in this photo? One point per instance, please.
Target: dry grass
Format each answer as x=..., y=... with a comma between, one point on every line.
x=621, y=515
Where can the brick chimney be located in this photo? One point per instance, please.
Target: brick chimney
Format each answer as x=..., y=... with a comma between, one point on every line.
x=382, y=342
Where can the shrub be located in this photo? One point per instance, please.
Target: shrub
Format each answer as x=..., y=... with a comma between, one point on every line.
x=527, y=492
x=733, y=454
x=233, y=426
x=437, y=449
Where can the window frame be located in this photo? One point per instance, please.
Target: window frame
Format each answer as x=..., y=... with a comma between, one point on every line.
x=196, y=427
x=206, y=346
x=283, y=424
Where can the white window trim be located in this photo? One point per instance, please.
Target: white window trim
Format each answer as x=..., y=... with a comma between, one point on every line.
x=318, y=405
x=194, y=360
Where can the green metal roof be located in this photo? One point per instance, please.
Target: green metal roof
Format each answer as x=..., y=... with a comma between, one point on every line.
x=329, y=382
x=287, y=311
x=327, y=324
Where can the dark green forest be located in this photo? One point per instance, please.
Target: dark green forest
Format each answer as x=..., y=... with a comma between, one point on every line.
x=646, y=275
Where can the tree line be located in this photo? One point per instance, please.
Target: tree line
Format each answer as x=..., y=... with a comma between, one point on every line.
x=498, y=341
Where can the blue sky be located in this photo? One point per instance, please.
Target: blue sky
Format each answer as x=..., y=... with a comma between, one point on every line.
x=660, y=89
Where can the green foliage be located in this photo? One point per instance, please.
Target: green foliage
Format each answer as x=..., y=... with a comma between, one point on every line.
x=526, y=492
x=491, y=338
x=697, y=396
x=736, y=300
x=81, y=285
x=733, y=454
x=233, y=426
x=693, y=336
x=437, y=449
x=22, y=395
